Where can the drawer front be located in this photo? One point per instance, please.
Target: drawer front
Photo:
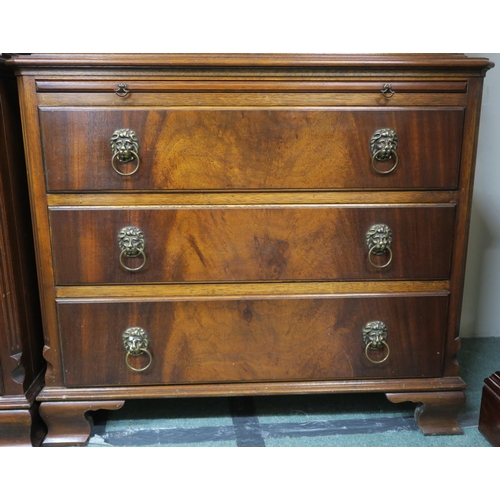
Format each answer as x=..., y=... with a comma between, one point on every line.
x=250, y=243
x=250, y=340
x=254, y=149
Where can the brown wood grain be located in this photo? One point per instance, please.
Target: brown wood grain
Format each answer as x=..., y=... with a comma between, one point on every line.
x=489, y=414
x=40, y=223
x=251, y=244
x=21, y=340
x=248, y=86
x=21, y=427
x=20, y=325
x=228, y=149
x=256, y=290
x=251, y=340
x=69, y=424
x=54, y=393
x=462, y=222
x=133, y=199
x=251, y=99
x=436, y=412
x=424, y=62
x=242, y=155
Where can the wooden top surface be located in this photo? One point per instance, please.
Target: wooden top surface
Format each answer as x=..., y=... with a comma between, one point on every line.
x=250, y=60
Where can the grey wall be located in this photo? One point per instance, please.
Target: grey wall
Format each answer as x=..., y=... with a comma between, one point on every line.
x=481, y=306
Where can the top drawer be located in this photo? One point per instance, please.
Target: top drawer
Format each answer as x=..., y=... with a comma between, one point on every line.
x=240, y=148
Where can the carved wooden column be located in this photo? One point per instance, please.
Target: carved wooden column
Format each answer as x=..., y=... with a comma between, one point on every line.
x=21, y=363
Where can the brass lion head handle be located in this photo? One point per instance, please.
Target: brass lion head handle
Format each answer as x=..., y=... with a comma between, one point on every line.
x=136, y=342
x=375, y=336
x=131, y=243
x=378, y=241
x=125, y=148
x=383, y=146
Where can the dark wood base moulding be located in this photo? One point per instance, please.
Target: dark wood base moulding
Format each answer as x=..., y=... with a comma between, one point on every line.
x=436, y=413
x=69, y=423
x=20, y=422
x=21, y=427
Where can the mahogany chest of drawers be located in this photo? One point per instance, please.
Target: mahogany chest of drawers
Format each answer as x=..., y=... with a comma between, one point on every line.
x=212, y=225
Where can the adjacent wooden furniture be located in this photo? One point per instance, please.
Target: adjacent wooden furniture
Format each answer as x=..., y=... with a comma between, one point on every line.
x=212, y=225
x=489, y=415
x=21, y=340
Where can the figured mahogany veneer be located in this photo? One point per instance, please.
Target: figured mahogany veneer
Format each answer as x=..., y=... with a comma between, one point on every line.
x=200, y=148
x=277, y=243
x=251, y=340
x=254, y=194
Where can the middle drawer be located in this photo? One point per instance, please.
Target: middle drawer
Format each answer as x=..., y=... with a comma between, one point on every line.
x=251, y=243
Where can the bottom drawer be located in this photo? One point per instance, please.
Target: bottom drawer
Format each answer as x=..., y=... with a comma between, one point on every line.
x=236, y=340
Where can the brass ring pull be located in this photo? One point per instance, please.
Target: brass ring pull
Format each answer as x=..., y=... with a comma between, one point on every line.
x=372, y=250
x=132, y=243
x=383, y=145
x=125, y=148
x=140, y=252
x=122, y=90
x=379, y=240
x=145, y=351
x=375, y=336
x=369, y=346
x=135, y=340
x=384, y=172
x=387, y=91
x=134, y=155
